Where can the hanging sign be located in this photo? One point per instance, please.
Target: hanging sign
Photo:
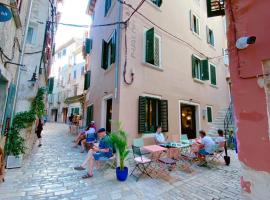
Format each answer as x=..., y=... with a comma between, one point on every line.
x=5, y=14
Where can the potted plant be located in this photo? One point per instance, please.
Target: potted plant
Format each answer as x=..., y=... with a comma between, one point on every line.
x=119, y=141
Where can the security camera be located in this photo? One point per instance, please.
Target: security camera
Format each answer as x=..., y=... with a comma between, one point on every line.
x=244, y=42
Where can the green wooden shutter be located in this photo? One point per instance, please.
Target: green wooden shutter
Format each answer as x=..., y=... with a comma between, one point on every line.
x=104, y=57
x=77, y=111
x=107, y=6
x=207, y=35
x=142, y=114
x=50, y=85
x=163, y=111
x=158, y=2
x=88, y=45
x=209, y=114
x=9, y=105
x=213, y=75
x=193, y=63
x=191, y=23
x=149, y=46
x=87, y=80
x=90, y=114
x=205, y=70
x=113, y=47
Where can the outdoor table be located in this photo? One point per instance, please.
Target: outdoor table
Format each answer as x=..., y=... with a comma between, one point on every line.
x=156, y=150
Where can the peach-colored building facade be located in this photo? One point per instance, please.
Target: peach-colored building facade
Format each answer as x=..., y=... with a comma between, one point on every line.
x=169, y=73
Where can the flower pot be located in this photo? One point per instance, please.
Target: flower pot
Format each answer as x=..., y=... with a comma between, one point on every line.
x=121, y=174
x=14, y=162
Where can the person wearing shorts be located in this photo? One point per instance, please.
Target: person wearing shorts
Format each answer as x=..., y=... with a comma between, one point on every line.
x=104, y=150
x=207, y=144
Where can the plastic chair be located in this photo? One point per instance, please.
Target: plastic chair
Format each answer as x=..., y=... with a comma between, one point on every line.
x=142, y=163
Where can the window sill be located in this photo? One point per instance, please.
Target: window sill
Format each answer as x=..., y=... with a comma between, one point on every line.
x=154, y=5
x=109, y=69
x=198, y=81
x=214, y=86
x=212, y=46
x=153, y=66
x=196, y=34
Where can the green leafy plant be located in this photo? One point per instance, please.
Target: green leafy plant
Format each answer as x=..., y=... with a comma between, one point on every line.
x=16, y=144
x=119, y=139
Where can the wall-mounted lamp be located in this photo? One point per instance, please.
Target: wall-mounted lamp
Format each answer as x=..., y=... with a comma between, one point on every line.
x=244, y=42
x=33, y=80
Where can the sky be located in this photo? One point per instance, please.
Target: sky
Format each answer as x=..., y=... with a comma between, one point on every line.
x=73, y=12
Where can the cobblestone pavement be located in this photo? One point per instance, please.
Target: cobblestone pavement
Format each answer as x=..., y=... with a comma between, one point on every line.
x=48, y=174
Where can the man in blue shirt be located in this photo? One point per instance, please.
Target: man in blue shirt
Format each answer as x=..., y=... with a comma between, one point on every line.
x=104, y=150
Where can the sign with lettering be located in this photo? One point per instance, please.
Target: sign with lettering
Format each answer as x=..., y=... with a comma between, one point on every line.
x=5, y=13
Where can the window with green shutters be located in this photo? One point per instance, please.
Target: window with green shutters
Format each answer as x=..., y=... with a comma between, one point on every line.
x=157, y=2
x=200, y=68
x=210, y=36
x=87, y=80
x=213, y=76
x=152, y=48
x=108, y=4
x=50, y=85
x=88, y=45
x=108, y=52
x=209, y=114
x=89, y=114
x=152, y=113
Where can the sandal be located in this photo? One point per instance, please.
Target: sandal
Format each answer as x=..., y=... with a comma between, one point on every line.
x=80, y=168
x=87, y=176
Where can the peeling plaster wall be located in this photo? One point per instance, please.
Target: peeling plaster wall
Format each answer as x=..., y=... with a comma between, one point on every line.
x=248, y=18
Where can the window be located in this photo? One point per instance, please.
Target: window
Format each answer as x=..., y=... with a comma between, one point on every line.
x=88, y=45
x=64, y=52
x=213, y=76
x=209, y=114
x=210, y=36
x=90, y=114
x=87, y=80
x=152, y=113
x=59, y=55
x=200, y=69
x=108, y=52
x=152, y=48
x=157, y=2
x=194, y=23
x=108, y=4
x=75, y=90
x=75, y=111
x=31, y=37
x=74, y=74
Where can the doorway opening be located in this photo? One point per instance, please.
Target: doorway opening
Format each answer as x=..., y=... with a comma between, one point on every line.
x=65, y=113
x=188, y=120
x=54, y=114
x=108, y=115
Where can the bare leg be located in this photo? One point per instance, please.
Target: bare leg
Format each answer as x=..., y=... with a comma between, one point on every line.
x=91, y=165
x=87, y=159
x=83, y=145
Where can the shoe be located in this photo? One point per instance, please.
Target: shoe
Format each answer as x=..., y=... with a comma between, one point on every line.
x=87, y=176
x=80, y=168
x=39, y=145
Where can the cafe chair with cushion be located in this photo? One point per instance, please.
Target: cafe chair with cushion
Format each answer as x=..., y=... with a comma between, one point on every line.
x=142, y=163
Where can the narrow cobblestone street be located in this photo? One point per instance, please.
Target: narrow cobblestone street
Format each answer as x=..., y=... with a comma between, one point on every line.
x=48, y=174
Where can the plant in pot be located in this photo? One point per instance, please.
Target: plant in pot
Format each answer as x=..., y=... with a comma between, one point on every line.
x=119, y=141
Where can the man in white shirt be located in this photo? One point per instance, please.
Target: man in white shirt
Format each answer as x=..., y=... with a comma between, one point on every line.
x=159, y=137
x=208, y=144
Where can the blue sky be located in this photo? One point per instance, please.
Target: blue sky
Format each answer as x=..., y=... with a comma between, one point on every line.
x=73, y=12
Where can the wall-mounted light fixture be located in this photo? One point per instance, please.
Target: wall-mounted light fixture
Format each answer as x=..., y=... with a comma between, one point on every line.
x=33, y=79
x=244, y=42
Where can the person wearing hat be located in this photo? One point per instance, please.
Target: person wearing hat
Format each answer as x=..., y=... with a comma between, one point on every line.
x=103, y=150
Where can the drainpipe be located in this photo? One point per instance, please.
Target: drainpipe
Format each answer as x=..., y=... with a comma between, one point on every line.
x=118, y=52
x=18, y=75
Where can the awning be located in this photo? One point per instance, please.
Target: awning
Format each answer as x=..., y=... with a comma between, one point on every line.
x=75, y=99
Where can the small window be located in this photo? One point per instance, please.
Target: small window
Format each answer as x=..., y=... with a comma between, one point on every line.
x=210, y=36
x=209, y=114
x=194, y=23
x=108, y=4
x=74, y=74
x=152, y=48
x=108, y=52
x=197, y=68
x=157, y=2
x=31, y=37
x=200, y=68
x=213, y=76
x=75, y=90
x=64, y=52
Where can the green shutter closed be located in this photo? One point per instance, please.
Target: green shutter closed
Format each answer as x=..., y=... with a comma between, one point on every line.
x=77, y=111
x=113, y=47
x=50, y=85
x=209, y=114
x=90, y=114
x=107, y=6
x=149, y=54
x=87, y=80
x=9, y=105
x=205, y=70
x=88, y=45
x=157, y=2
x=142, y=114
x=104, y=57
x=164, y=115
x=193, y=58
x=213, y=75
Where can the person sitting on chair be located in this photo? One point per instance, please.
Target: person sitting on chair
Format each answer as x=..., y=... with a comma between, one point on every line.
x=104, y=150
x=159, y=137
x=207, y=144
